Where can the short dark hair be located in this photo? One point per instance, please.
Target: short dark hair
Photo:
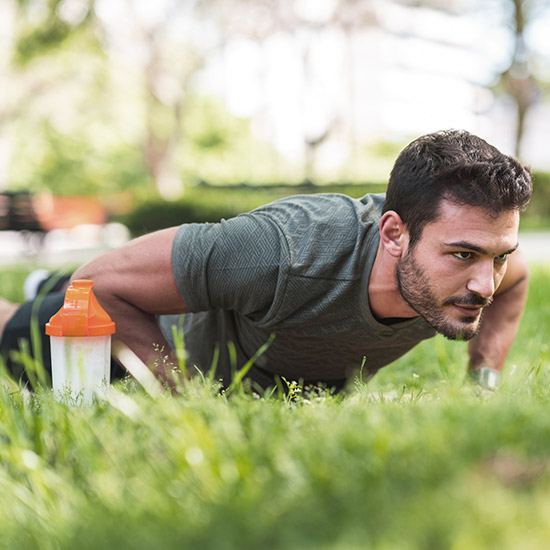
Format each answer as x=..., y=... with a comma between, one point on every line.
x=457, y=166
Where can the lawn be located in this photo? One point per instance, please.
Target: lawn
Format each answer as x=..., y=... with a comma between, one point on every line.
x=415, y=459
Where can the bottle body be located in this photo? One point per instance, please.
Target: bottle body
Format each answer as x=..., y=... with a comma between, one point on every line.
x=80, y=342
x=81, y=366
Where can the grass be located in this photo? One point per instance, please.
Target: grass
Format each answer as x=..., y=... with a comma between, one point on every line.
x=416, y=459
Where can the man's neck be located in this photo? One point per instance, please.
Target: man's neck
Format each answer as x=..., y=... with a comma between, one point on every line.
x=385, y=299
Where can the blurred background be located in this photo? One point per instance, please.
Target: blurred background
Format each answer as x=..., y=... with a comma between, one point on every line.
x=140, y=114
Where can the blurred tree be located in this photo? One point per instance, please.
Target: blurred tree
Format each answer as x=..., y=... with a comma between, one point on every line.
x=105, y=100
x=45, y=26
x=152, y=51
x=167, y=60
x=49, y=30
x=221, y=148
x=34, y=30
x=104, y=83
x=304, y=24
x=518, y=78
x=62, y=118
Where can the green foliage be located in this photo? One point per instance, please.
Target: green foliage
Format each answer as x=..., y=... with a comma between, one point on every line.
x=158, y=213
x=11, y=282
x=38, y=42
x=537, y=214
x=220, y=147
x=72, y=165
x=45, y=35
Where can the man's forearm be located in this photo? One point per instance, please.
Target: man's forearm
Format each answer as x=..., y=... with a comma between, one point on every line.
x=140, y=332
x=499, y=327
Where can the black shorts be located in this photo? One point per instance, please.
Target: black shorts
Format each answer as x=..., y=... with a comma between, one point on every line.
x=36, y=313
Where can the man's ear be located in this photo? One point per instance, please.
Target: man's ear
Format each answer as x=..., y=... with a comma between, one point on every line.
x=393, y=235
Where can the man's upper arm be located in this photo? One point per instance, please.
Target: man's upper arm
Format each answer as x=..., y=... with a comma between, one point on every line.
x=139, y=273
x=516, y=271
x=232, y=265
x=501, y=319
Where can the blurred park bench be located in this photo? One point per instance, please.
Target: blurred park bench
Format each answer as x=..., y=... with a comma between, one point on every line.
x=17, y=212
x=23, y=211
x=45, y=224
x=68, y=211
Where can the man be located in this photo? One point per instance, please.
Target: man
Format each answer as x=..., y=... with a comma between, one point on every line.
x=334, y=282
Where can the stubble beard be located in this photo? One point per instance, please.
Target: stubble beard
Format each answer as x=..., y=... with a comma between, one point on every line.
x=415, y=288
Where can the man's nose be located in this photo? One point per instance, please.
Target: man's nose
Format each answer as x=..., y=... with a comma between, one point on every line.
x=482, y=280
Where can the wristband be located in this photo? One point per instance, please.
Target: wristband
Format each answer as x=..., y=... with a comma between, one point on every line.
x=486, y=377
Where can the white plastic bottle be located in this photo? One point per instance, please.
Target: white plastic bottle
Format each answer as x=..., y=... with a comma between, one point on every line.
x=80, y=341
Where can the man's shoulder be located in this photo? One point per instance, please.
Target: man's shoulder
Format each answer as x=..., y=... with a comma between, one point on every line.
x=325, y=229
x=320, y=209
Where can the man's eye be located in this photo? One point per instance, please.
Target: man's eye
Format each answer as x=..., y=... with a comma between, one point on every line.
x=502, y=257
x=462, y=255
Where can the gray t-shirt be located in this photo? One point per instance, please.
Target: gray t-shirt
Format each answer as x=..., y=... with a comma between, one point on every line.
x=299, y=269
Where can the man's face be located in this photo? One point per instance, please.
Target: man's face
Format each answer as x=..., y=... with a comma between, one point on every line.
x=456, y=266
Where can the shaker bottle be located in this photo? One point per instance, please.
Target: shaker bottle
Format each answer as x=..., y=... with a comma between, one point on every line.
x=80, y=342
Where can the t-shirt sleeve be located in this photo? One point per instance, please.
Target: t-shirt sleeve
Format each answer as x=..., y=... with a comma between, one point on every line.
x=233, y=265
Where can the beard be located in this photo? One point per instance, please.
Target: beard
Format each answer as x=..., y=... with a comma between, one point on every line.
x=416, y=289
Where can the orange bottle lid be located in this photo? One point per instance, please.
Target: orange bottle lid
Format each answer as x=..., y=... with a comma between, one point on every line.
x=81, y=314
